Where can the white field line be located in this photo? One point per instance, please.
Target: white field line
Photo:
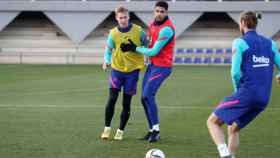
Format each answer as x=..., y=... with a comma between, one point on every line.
x=56, y=91
x=102, y=107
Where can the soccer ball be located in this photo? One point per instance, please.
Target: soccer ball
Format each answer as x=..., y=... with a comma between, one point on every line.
x=155, y=153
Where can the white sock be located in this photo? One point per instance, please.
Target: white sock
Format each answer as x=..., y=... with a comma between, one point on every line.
x=151, y=130
x=156, y=127
x=223, y=150
x=107, y=128
x=120, y=130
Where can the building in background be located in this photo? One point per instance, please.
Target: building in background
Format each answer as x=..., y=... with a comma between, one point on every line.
x=74, y=31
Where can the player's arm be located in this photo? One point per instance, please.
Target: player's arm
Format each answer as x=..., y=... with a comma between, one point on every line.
x=276, y=59
x=144, y=39
x=164, y=37
x=238, y=47
x=108, y=51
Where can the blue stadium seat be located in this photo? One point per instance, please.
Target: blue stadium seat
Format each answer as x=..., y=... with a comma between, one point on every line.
x=178, y=60
x=209, y=51
x=197, y=60
x=188, y=60
x=219, y=51
x=199, y=51
x=228, y=50
x=179, y=51
x=217, y=61
x=207, y=60
x=189, y=51
x=227, y=60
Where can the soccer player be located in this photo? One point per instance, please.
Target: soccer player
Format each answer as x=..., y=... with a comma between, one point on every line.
x=125, y=69
x=160, y=50
x=253, y=62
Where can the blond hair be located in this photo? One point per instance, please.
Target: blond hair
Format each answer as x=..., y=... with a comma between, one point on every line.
x=121, y=9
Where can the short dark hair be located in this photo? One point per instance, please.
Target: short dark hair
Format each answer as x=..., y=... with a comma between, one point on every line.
x=162, y=4
x=250, y=19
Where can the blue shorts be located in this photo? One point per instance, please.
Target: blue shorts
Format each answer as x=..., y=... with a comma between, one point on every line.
x=127, y=80
x=238, y=108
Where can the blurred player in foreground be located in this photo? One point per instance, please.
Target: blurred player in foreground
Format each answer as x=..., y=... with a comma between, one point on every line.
x=253, y=62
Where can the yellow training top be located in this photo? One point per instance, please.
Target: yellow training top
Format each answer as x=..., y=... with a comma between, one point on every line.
x=126, y=61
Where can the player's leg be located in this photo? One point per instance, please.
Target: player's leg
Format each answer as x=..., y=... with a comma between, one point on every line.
x=158, y=75
x=214, y=125
x=233, y=138
x=227, y=112
x=126, y=104
x=129, y=89
x=215, y=129
x=115, y=86
x=145, y=106
x=238, y=124
x=125, y=114
x=110, y=106
x=109, y=112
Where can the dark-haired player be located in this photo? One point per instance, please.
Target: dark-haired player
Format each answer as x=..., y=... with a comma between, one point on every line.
x=160, y=52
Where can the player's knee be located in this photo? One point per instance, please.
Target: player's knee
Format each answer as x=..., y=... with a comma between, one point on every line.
x=144, y=98
x=233, y=128
x=126, y=112
x=209, y=121
x=113, y=98
x=126, y=108
x=114, y=93
x=213, y=119
x=112, y=102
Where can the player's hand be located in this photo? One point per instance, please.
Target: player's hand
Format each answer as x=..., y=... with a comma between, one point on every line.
x=124, y=47
x=132, y=45
x=277, y=79
x=105, y=66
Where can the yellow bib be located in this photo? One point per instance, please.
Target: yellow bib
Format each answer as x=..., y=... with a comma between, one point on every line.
x=128, y=61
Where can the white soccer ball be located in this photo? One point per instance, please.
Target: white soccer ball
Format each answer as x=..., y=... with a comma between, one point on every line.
x=155, y=153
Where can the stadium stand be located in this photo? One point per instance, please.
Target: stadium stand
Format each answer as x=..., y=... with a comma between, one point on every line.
x=34, y=38
x=209, y=37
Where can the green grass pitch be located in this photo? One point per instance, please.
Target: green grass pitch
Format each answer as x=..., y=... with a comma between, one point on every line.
x=58, y=112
